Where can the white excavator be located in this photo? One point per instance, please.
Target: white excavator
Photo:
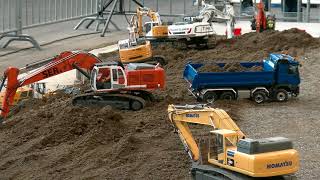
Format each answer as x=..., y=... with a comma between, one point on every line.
x=198, y=29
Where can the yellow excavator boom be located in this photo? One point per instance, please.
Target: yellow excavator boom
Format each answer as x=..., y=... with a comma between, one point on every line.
x=180, y=116
x=158, y=30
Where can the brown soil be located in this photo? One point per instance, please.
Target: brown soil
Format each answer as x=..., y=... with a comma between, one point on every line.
x=51, y=139
x=228, y=67
x=210, y=68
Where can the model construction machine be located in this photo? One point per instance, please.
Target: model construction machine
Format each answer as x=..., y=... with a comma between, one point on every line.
x=276, y=78
x=198, y=29
x=123, y=87
x=153, y=29
x=226, y=153
x=263, y=21
x=137, y=49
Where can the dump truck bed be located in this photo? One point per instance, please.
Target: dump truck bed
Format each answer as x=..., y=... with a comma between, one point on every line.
x=201, y=80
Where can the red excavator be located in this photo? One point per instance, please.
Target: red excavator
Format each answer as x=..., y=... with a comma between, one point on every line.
x=112, y=83
x=261, y=21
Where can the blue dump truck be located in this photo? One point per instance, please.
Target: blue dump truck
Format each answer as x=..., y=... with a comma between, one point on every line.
x=277, y=79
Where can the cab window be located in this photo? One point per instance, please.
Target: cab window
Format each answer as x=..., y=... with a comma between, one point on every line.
x=293, y=69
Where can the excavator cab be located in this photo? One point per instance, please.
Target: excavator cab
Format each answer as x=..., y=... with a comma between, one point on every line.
x=106, y=76
x=153, y=29
x=220, y=142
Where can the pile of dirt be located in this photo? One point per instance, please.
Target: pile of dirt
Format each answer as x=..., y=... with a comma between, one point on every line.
x=210, y=68
x=249, y=47
x=57, y=139
x=51, y=138
x=228, y=67
x=234, y=67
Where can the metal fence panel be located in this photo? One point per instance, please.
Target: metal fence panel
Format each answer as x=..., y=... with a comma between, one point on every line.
x=40, y=12
x=8, y=15
x=37, y=12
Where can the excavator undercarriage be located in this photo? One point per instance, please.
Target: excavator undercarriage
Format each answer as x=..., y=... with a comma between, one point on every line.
x=126, y=100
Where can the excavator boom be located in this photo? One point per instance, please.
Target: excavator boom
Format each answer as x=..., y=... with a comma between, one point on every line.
x=158, y=30
x=64, y=62
x=180, y=116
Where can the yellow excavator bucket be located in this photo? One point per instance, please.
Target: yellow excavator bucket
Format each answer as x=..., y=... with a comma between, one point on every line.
x=138, y=53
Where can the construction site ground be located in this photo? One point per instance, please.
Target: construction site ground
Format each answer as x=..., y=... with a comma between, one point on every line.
x=51, y=139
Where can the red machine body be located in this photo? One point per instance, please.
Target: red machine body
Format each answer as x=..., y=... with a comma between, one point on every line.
x=150, y=78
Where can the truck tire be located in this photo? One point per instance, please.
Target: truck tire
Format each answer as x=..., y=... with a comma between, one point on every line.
x=210, y=97
x=227, y=96
x=259, y=96
x=281, y=95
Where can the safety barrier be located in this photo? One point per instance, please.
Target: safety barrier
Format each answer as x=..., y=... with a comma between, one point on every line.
x=16, y=15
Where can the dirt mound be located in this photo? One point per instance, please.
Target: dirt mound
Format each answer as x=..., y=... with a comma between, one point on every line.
x=87, y=140
x=210, y=68
x=252, y=46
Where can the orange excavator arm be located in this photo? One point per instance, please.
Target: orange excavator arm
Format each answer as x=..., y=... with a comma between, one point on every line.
x=261, y=20
x=64, y=62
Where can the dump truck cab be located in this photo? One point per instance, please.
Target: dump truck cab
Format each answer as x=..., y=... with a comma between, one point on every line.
x=287, y=71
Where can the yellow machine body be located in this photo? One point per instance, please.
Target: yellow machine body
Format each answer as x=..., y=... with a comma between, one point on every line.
x=138, y=53
x=268, y=164
x=224, y=143
x=21, y=94
x=160, y=31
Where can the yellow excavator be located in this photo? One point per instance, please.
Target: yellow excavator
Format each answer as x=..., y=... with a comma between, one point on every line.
x=22, y=93
x=153, y=29
x=226, y=153
x=137, y=49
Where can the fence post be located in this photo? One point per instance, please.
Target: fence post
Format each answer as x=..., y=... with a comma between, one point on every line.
x=19, y=17
x=184, y=7
x=308, y=11
x=299, y=11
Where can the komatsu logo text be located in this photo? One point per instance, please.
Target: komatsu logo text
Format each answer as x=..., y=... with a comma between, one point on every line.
x=279, y=165
x=192, y=115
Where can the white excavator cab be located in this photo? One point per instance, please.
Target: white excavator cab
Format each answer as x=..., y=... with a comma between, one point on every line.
x=106, y=77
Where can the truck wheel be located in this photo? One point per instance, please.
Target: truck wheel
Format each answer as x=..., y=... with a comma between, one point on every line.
x=281, y=95
x=259, y=97
x=136, y=105
x=210, y=97
x=227, y=96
